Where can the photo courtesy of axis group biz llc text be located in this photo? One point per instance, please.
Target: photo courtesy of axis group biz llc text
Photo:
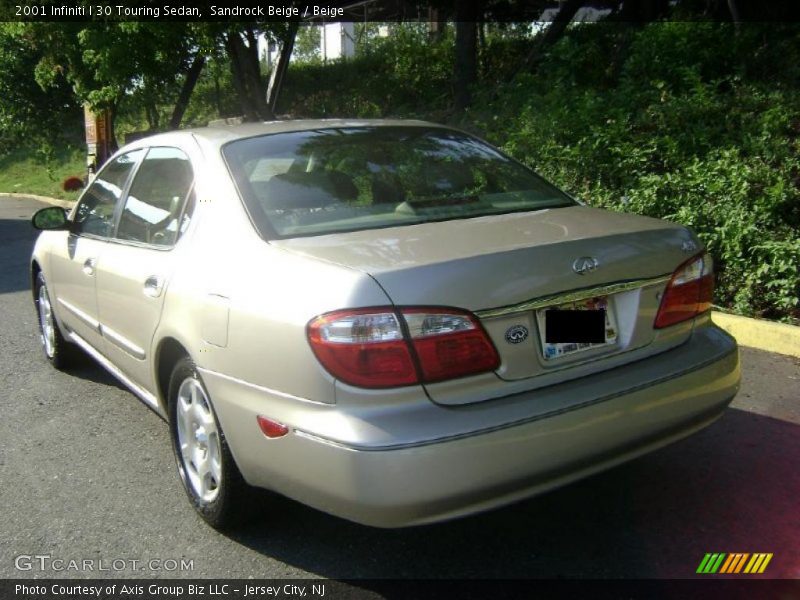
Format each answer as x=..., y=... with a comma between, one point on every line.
x=179, y=590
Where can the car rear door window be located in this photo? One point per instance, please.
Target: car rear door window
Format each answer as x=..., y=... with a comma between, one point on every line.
x=95, y=212
x=154, y=208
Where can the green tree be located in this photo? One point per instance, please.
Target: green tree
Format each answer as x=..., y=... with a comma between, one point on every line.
x=306, y=47
x=29, y=114
x=116, y=64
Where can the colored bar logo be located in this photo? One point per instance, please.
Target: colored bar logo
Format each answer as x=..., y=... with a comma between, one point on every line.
x=734, y=563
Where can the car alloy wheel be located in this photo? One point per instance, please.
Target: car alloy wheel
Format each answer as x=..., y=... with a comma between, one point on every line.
x=57, y=349
x=46, y=323
x=198, y=440
x=212, y=480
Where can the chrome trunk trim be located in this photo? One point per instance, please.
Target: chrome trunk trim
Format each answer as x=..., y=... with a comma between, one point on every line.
x=572, y=296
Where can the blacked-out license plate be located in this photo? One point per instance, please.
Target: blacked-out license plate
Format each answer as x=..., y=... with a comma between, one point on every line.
x=575, y=326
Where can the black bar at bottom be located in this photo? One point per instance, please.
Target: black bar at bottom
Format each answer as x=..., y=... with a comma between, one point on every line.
x=745, y=587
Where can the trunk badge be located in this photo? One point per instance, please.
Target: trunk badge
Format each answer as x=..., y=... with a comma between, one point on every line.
x=516, y=334
x=585, y=264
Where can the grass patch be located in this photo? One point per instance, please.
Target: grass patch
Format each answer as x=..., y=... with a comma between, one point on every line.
x=24, y=172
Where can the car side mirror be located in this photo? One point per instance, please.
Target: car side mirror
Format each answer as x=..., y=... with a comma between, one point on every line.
x=50, y=218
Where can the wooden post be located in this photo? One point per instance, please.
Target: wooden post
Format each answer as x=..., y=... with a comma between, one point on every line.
x=98, y=138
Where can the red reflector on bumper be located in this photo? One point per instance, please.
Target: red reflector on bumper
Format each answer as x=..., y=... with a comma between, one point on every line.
x=270, y=428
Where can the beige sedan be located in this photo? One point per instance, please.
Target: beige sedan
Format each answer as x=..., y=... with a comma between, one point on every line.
x=390, y=321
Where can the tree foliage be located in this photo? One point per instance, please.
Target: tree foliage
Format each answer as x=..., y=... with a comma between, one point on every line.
x=307, y=45
x=30, y=114
x=116, y=63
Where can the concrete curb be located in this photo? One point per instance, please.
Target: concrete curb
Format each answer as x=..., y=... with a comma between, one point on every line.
x=763, y=335
x=755, y=333
x=47, y=199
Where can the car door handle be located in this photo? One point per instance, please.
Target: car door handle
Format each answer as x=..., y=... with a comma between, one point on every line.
x=153, y=286
x=88, y=266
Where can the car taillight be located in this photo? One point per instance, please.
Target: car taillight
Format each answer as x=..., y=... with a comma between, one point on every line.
x=449, y=344
x=688, y=293
x=363, y=347
x=371, y=348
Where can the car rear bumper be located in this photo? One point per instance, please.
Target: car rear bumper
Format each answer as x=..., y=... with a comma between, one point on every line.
x=606, y=419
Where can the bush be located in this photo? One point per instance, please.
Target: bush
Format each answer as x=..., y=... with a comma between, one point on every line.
x=691, y=131
x=401, y=75
x=72, y=184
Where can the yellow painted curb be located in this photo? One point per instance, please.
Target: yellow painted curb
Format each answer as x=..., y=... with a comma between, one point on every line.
x=764, y=335
x=47, y=199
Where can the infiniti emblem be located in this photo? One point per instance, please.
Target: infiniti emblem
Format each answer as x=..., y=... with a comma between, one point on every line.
x=584, y=264
x=516, y=334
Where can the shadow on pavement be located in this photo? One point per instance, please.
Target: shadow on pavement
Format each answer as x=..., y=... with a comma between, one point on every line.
x=731, y=488
x=86, y=368
x=16, y=244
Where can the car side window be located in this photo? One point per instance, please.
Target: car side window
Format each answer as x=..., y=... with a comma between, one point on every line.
x=95, y=212
x=154, y=209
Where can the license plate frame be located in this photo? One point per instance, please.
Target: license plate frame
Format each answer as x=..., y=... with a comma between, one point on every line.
x=562, y=350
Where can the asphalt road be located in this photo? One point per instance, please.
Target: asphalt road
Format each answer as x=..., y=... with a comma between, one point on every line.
x=86, y=472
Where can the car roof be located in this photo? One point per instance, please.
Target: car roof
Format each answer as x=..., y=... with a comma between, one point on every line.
x=221, y=134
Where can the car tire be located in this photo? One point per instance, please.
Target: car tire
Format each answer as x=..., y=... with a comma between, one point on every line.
x=210, y=477
x=58, y=351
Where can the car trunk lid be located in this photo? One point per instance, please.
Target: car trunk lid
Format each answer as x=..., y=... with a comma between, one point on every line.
x=509, y=268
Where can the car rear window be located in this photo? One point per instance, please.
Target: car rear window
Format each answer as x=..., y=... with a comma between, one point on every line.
x=345, y=179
